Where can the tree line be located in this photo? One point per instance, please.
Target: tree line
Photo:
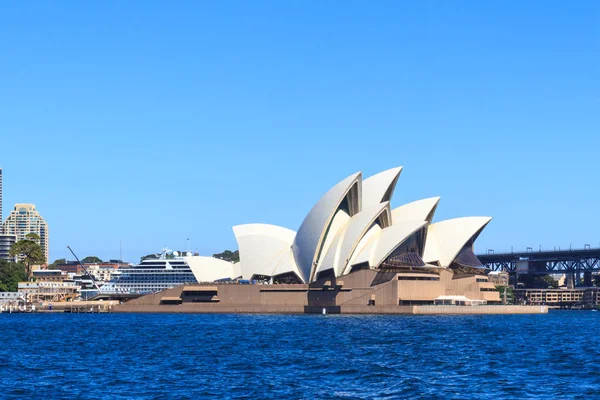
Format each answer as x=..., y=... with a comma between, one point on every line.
x=228, y=255
x=29, y=253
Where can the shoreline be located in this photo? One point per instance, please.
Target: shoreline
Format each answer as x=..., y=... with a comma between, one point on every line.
x=347, y=310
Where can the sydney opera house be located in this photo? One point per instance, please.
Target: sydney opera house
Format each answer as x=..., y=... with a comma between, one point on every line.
x=352, y=253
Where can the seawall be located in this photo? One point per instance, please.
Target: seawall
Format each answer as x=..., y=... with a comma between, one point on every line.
x=348, y=309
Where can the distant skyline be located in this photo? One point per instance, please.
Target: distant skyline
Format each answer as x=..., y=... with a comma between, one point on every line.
x=155, y=123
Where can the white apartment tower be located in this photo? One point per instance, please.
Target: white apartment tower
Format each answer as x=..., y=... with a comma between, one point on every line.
x=25, y=219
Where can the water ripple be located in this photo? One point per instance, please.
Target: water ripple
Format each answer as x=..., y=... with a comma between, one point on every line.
x=301, y=356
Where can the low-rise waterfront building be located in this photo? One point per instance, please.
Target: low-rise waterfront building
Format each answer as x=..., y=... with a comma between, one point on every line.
x=70, y=267
x=57, y=285
x=48, y=291
x=50, y=275
x=102, y=271
x=592, y=296
x=10, y=297
x=27, y=288
x=498, y=278
x=561, y=297
x=88, y=286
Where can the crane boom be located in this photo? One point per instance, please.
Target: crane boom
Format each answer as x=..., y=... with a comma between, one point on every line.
x=85, y=269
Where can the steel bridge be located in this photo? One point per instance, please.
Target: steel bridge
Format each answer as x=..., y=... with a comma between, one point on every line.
x=573, y=261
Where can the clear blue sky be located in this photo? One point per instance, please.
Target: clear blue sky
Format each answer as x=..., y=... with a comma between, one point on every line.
x=158, y=121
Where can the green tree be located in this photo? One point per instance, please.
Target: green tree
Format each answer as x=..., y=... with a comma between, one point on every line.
x=11, y=274
x=29, y=251
x=549, y=281
x=228, y=255
x=56, y=263
x=33, y=237
x=91, y=260
x=538, y=281
x=149, y=257
x=510, y=294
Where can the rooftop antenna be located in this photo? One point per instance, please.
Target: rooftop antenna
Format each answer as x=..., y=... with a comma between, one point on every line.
x=120, y=251
x=85, y=269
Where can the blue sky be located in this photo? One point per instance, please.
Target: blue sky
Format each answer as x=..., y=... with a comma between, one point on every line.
x=152, y=122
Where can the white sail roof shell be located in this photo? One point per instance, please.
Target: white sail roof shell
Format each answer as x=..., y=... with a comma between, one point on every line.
x=339, y=232
x=365, y=253
x=259, y=244
x=237, y=270
x=284, y=263
x=330, y=259
x=339, y=222
x=209, y=269
x=391, y=238
x=379, y=187
x=445, y=239
x=382, y=244
x=420, y=210
x=343, y=246
x=365, y=242
x=311, y=234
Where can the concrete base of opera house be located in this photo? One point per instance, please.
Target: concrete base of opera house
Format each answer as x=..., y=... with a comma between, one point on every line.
x=399, y=310
x=425, y=291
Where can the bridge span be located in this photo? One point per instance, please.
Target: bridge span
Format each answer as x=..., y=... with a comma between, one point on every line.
x=572, y=261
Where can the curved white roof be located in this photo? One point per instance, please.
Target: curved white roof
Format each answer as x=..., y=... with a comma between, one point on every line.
x=384, y=242
x=339, y=222
x=420, y=210
x=390, y=239
x=284, y=263
x=366, y=241
x=365, y=252
x=209, y=269
x=343, y=246
x=331, y=257
x=237, y=270
x=259, y=244
x=310, y=238
x=446, y=238
x=380, y=187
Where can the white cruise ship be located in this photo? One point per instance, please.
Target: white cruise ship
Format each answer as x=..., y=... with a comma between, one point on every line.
x=167, y=271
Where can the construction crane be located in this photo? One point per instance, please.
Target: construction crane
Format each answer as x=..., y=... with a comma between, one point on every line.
x=85, y=269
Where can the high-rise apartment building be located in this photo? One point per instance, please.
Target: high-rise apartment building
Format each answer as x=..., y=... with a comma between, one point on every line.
x=1, y=215
x=6, y=241
x=25, y=219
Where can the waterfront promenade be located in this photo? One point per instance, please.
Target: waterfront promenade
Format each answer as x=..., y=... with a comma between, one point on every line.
x=62, y=306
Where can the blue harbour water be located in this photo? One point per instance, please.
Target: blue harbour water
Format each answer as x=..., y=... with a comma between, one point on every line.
x=125, y=356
